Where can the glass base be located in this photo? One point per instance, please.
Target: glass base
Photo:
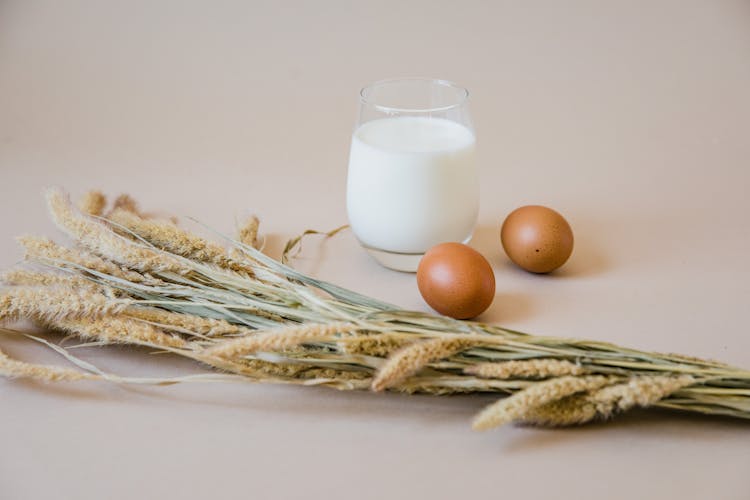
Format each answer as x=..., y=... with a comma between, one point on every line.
x=405, y=262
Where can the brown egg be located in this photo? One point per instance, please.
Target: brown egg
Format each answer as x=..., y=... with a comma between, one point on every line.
x=456, y=280
x=537, y=238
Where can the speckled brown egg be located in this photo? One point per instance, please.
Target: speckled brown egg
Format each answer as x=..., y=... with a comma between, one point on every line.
x=537, y=238
x=456, y=280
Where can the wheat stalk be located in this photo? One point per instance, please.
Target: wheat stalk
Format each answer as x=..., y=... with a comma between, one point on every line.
x=134, y=280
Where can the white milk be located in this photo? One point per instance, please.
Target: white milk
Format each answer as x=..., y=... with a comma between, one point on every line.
x=412, y=184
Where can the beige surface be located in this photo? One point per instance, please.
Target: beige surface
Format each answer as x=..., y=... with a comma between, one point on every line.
x=631, y=118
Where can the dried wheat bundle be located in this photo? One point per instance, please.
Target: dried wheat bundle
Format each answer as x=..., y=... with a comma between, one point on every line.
x=130, y=279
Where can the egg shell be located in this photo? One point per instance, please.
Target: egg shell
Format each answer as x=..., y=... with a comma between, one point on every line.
x=537, y=239
x=456, y=280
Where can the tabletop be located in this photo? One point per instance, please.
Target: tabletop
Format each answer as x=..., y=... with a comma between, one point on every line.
x=630, y=118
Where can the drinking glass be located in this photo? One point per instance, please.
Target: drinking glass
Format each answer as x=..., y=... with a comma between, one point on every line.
x=412, y=181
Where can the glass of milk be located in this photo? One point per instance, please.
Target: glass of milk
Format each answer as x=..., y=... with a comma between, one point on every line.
x=412, y=180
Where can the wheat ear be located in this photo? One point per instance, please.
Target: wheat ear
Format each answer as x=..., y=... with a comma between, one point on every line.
x=514, y=407
x=19, y=369
x=92, y=203
x=248, y=232
x=125, y=202
x=410, y=359
x=117, y=329
x=173, y=239
x=185, y=322
x=638, y=391
x=22, y=277
x=381, y=345
x=52, y=303
x=98, y=238
x=44, y=249
x=603, y=403
x=570, y=410
x=531, y=368
x=280, y=339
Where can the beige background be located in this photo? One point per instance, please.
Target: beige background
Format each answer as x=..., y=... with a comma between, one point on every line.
x=631, y=118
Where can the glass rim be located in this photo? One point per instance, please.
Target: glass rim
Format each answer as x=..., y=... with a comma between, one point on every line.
x=461, y=100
